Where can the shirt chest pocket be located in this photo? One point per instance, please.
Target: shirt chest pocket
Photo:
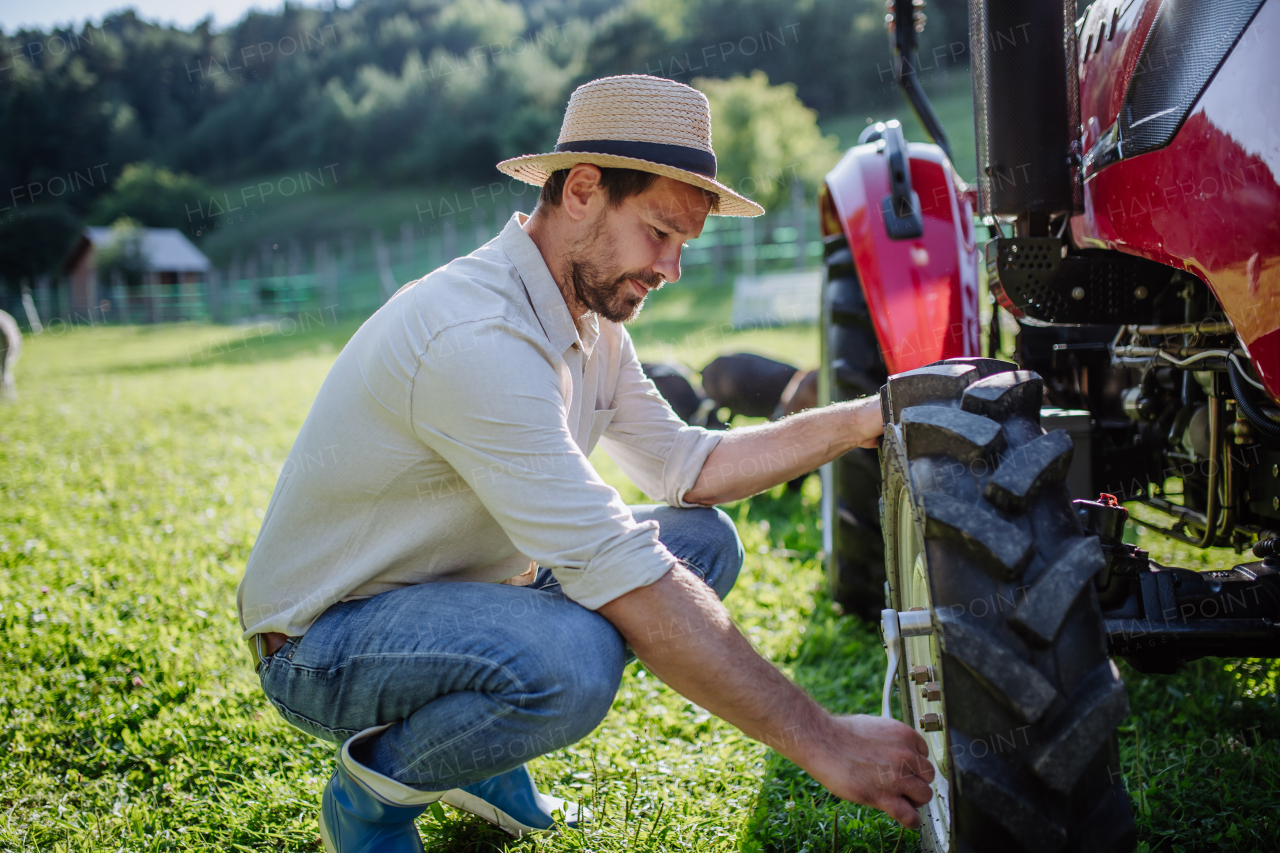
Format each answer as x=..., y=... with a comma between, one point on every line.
x=600, y=421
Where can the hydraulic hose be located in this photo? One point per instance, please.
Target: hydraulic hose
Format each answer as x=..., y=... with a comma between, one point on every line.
x=1248, y=404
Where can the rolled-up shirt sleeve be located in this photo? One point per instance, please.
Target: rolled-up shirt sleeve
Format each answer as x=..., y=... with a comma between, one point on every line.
x=659, y=452
x=487, y=398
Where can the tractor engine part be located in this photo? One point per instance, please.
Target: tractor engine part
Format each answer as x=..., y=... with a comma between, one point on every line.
x=1160, y=617
x=1246, y=399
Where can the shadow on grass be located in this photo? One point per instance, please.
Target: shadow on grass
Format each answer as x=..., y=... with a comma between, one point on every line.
x=452, y=831
x=841, y=664
x=280, y=339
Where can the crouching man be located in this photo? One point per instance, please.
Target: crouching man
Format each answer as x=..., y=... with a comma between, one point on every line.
x=444, y=586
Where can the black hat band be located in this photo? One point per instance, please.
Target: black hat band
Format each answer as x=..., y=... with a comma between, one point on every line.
x=676, y=156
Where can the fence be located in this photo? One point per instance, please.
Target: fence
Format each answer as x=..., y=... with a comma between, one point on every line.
x=350, y=277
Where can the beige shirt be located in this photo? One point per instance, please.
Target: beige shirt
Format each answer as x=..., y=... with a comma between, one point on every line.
x=449, y=442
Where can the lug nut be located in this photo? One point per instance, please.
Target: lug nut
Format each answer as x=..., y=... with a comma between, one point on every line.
x=932, y=691
x=921, y=674
x=931, y=722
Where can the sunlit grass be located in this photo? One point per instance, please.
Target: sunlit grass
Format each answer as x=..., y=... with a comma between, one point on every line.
x=135, y=469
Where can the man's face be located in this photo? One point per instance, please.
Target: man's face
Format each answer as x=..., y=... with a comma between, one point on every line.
x=625, y=252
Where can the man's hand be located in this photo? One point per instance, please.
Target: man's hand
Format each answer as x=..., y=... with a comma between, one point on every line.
x=751, y=459
x=874, y=761
x=683, y=634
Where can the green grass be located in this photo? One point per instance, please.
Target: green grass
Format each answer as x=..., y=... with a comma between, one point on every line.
x=135, y=469
x=689, y=323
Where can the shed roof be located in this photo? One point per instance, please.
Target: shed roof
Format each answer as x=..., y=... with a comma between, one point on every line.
x=165, y=249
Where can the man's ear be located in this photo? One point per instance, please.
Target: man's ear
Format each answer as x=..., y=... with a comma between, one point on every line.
x=580, y=187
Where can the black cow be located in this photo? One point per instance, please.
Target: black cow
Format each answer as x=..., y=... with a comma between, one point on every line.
x=747, y=384
x=801, y=394
x=687, y=400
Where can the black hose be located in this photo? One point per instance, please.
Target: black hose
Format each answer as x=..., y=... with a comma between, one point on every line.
x=1267, y=548
x=1266, y=427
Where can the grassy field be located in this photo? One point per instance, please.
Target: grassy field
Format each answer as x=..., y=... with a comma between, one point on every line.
x=135, y=470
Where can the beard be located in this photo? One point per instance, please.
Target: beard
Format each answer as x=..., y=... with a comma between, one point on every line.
x=591, y=270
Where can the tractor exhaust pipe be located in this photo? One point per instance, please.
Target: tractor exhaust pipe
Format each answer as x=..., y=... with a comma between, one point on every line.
x=1026, y=109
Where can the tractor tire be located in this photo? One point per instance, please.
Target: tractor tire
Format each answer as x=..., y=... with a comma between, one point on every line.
x=851, y=368
x=1023, y=701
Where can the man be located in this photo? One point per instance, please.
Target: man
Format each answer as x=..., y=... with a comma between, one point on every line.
x=445, y=586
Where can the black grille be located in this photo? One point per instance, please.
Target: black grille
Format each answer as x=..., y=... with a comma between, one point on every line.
x=1186, y=45
x=1031, y=278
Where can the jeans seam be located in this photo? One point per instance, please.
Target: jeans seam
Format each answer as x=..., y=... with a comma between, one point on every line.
x=490, y=721
x=437, y=655
x=520, y=686
x=285, y=709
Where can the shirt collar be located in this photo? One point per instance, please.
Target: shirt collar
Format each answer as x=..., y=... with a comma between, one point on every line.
x=548, y=302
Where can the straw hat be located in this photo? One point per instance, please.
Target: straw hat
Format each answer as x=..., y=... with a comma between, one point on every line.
x=636, y=122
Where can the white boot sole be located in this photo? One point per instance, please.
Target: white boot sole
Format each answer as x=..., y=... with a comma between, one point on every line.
x=472, y=804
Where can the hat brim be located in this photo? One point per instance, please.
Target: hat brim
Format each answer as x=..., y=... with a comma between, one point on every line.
x=537, y=168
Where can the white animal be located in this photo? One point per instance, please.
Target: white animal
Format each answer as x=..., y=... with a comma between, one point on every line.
x=10, y=348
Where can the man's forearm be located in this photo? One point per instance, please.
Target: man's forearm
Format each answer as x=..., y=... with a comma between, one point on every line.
x=751, y=459
x=683, y=634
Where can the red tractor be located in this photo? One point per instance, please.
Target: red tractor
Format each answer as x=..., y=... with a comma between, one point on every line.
x=1128, y=181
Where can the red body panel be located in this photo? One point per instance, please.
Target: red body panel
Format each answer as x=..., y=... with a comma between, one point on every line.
x=1209, y=202
x=1108, y=63
x=922, y=293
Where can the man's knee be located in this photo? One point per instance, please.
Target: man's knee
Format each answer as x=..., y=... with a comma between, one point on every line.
x=726, y=549
x=581, y=676
x=594, y=693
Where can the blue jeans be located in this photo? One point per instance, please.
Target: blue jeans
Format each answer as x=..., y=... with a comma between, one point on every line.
x=474, y=678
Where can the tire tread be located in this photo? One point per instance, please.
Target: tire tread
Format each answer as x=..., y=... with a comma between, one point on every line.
x=1027, y=470
x=998, y=527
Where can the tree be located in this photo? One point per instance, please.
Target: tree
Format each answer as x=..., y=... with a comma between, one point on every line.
x=765, y=138
x=123, y=253
x=154, y=197
x=36, y=241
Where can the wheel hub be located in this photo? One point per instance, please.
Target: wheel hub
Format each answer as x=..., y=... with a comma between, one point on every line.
x=925, y=698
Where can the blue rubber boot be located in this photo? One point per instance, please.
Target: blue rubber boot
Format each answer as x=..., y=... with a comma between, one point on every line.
x=363, y=811
x=512, y=802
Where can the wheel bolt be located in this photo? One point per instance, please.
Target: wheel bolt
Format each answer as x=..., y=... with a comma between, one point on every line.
x=921, y=674
x=931, y=722
x=932, y=691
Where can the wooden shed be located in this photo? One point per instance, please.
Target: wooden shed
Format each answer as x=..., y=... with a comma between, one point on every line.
x=171, y=282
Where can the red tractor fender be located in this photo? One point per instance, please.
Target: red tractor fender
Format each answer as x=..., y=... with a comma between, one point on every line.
x=921, y=292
